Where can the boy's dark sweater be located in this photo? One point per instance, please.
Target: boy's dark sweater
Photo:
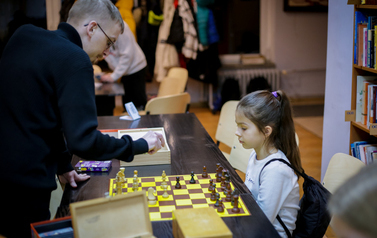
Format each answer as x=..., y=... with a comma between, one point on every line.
x=47, y=109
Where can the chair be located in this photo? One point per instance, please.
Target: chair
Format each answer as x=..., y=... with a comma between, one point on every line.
x=178, y=72
x=178, y=103
x=227, y=126
x=340, y=169
x=56, y=197
x=174, y=83
x=239, y=156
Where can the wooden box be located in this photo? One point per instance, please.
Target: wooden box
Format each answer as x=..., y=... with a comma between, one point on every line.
x=122, y=216
x=199, y=223
x=160, y=157
x=40, y=228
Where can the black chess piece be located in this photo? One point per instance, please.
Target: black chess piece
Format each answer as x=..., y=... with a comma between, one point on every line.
x=177, y=185
x=217, y=200
x=210, y=187
x=192, y=177
x=235, y=206
x=220, y=208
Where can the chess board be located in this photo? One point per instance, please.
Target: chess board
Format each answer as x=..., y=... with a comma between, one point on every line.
x=188, y=196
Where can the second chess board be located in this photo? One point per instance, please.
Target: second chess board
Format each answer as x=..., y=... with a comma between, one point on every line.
x=188, y=196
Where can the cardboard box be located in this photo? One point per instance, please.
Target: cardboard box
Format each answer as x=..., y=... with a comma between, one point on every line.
x=125, y=216
x=43, y=227
x=199, y=223
x=93, y=166
x=160, y=157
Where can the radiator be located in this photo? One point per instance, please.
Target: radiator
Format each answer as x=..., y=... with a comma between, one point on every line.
x=243, y=76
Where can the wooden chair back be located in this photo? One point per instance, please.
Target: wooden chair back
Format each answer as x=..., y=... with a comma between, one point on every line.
x=226, y=127
x=174, y=83
x=178, y=103
x=340, y=168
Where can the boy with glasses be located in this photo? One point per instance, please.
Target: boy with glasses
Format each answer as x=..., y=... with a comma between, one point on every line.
x=48, y=111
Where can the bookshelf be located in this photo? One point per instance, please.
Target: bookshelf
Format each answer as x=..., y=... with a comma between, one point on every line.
x=359, y=131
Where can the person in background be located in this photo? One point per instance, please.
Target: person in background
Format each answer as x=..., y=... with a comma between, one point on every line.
x=354, y=205
x=128, y=62
x=264, y=123
x=48, y=111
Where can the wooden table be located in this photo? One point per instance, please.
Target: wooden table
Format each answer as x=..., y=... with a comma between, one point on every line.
x=191, y=148
x=105, y=97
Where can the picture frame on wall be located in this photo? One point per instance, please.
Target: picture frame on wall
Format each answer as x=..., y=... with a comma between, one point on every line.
x=306, y=5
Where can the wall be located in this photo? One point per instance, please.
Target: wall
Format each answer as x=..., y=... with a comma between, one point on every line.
x=296, y=43
x=338, y=81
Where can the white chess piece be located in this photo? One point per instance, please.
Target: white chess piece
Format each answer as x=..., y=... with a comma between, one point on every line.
x=151, y=197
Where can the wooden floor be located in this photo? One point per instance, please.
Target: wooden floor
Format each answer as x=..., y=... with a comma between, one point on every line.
x=310, y=145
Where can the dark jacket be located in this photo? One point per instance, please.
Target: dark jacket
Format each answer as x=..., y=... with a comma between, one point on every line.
x=47, y=109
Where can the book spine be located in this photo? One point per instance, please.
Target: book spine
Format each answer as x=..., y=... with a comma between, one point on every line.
x=369, y=45
x=365, y=49
x=365, y=103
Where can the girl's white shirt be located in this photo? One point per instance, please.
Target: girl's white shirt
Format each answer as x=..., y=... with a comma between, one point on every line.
x=277, y=191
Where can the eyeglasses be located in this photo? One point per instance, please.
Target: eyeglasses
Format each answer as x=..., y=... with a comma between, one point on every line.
x=109, y=44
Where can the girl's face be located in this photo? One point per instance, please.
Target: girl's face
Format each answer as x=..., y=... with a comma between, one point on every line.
x=248, y=134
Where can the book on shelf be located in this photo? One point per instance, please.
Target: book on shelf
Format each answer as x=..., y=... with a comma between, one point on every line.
x=355, y=148
x=364, y=150
x=360, y=43
x=359, y=94
x=364, y=113
x=365, y=47
x=360, y=18
x=371, y=104
x=370, y=49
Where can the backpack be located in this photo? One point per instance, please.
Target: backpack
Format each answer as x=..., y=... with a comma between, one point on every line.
x=313, y=217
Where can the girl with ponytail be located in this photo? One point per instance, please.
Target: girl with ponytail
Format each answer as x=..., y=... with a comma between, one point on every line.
x=265, y=124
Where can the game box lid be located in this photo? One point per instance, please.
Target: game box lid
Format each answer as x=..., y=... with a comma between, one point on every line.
x=199, y=223
x=122, y=216
x=93, y=166
x=160, y=157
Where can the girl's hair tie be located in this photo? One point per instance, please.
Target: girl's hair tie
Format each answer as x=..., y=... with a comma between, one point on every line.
x=275, y=94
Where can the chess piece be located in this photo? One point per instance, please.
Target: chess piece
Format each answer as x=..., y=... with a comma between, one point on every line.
x=165, y=194
x=210, y=187
x=220, y=208
x=192, y=177
x=217, y=199
x=219, y=173
x=120, y=175
x=164, y=184
x=119, y=187
x=235, y=206
x=205, y=174
x=177, y=185
x=234, y=192
x=223, y=183
x=151, y=197
x=213, y=195
x=135, y=184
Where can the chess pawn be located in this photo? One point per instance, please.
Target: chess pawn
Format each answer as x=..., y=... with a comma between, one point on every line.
x=210, y=187
x=192, y=181
x=165, y=194
x=213, y=195
x=135, y=184
x=220, y=208
x=205, y=174
x=151, y=197
x=217, y=199
x=177, y=185
x=223, y=183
